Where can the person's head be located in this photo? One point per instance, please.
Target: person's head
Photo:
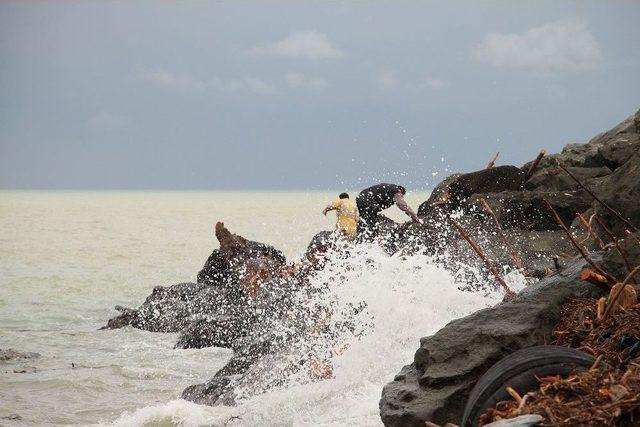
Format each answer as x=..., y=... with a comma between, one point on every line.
x=403, y=190
x=344, y=196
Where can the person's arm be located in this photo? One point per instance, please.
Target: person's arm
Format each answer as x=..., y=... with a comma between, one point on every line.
x=331, y=207
x=404, y=207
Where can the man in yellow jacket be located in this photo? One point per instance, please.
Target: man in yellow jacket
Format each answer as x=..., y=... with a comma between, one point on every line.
x=348, y=215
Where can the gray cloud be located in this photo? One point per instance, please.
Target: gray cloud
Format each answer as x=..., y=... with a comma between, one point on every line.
x=303, y=44
x=558, y=46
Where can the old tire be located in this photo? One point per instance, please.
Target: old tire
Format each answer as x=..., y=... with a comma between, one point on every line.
x=518, y=371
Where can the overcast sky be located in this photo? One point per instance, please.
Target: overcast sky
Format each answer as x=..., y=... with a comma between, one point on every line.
x=300, y=94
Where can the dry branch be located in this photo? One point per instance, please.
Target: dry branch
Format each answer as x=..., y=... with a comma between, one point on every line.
x=612, y=280
x=535, y=163
x=609, y=208
x=477, y=250
x=493, y=161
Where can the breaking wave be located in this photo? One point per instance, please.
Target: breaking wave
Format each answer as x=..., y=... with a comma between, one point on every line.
x=405, y=297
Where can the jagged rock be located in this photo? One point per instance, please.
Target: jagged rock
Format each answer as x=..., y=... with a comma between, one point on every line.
x=447, y=365
x=610, y=149
x=438, y=194
x=526, y=210
x=219, y=331
x=9, y=354
x=613, y=262
x=461, y=187
x=555, y=179
x=236, y=255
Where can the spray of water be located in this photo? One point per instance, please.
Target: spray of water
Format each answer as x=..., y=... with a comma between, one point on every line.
x=404, y=298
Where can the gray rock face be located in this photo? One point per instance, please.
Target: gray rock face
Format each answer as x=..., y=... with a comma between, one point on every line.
x=446, y=366
x=611, y=149
x=462, y=186
x=526, y=210
x=613, y=262
x=553, y=178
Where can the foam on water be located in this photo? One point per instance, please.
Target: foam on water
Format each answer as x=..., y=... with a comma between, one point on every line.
x=406, y=297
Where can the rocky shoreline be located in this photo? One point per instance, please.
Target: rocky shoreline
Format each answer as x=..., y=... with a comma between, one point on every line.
x=249, y=299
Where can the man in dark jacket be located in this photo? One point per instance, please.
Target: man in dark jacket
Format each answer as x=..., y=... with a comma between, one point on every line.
x=373, y=200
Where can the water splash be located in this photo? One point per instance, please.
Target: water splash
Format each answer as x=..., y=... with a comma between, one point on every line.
x=406, y=297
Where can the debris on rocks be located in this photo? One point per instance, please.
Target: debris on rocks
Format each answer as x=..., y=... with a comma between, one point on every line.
x=601, y=396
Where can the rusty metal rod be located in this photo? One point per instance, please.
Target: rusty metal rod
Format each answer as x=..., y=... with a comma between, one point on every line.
x=514, y=255
x=484, y=258
x=612, y=280
x=609, y=208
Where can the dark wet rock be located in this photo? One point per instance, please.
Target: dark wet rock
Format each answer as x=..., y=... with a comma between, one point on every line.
x=167, y=309
x=610, y=149
x=461, y=187
x=220, y=331
x=438, y=194
x=9, y=354
x=555, y=179
x=526, y=210
x=229, y=264
x=447, y=365
x=614, y=263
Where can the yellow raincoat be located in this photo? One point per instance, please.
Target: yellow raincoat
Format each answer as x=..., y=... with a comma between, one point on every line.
x=348, y=217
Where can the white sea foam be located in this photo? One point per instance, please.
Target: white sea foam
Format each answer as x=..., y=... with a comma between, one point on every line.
x=407, y=297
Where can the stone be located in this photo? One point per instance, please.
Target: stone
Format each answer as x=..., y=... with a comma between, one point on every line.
x=9, y=354
x=436, y=385
x=555, y=179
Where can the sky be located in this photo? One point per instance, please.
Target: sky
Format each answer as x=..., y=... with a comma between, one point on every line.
x=302, y=94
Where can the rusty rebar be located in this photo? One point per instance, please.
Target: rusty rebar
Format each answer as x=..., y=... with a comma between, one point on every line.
x=493, y=161
x=597, y=199
x=590, y=232
x=514, y=255
x=612, y=280
x=484, y=258
x=616, y=243
x=535, y=163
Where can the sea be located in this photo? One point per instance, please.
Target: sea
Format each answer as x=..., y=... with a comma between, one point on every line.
x=68, y=257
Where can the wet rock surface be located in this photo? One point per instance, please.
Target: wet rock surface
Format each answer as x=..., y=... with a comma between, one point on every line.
x=447, y=365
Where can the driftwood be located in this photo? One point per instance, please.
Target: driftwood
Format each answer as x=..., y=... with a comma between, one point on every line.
x=597, y=199
x=535, y=164
x=514, y=255
x=493, y=161
x=613, y=238
x=483, y=257
x=612, y=280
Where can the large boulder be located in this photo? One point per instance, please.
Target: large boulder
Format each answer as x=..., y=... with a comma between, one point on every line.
x=218, y=309
x=458, y=188
x=526, y=210
x=446, y=366
x=614, y=263
x=553, y=178
x=610, y=149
